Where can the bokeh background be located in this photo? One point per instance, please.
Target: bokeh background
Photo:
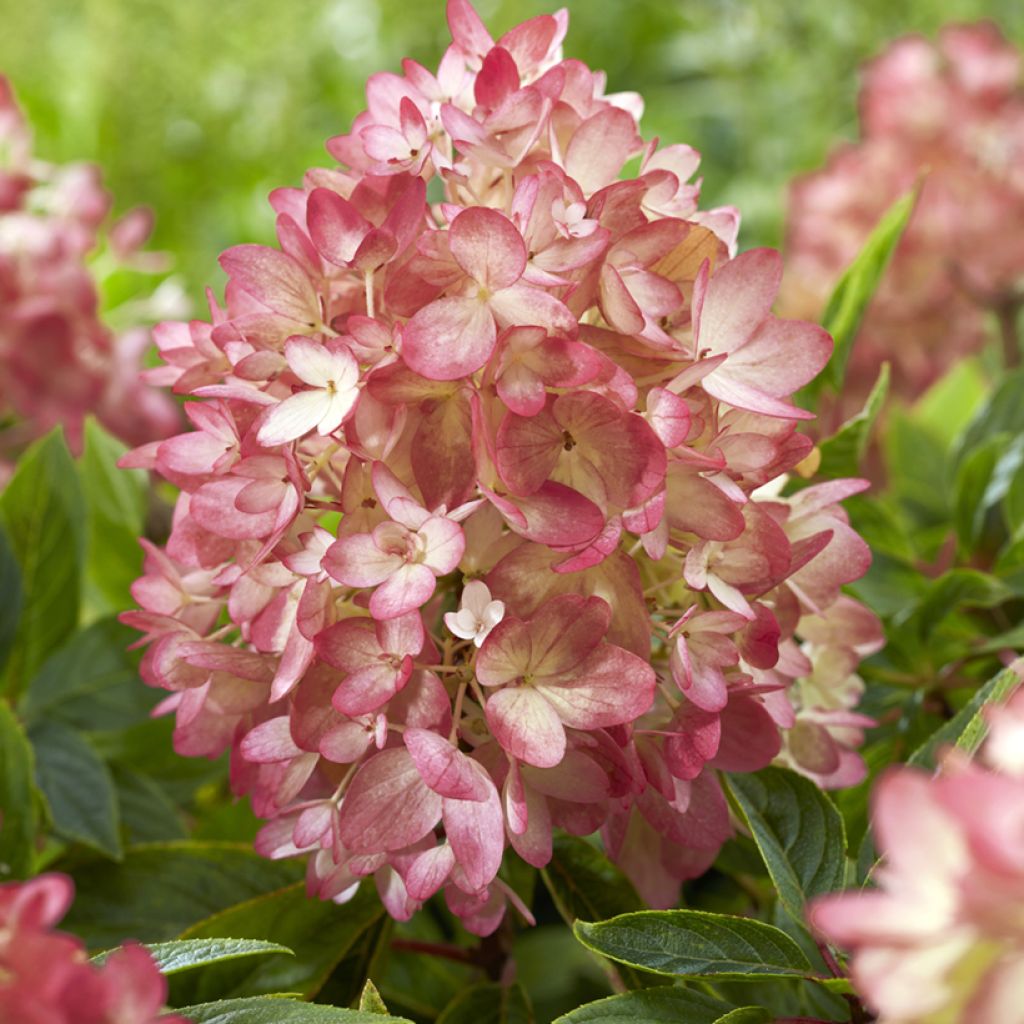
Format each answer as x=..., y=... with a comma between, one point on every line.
x=198, y=108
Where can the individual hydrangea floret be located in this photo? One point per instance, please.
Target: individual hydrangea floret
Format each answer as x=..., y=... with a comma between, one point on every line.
x=58, y=360
x=942, y=939
x=952, y=111
x=481, y=532
x=46, y=976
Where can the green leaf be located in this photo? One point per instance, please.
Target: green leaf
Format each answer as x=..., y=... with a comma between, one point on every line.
x=116, y=508
x=747, y=1015
x=489, y=1003
x=798, y=830
x=77, y=786
x=269, y=1010
x=370, y=1000
x=41, y=511
x=319, y=932
x=967, y=728
x=91, y=683
x=19, y=812
x=148, y=814
x=955, y=589
x=584, y=883
x=858, y=284
x=695, y=944
x=650, y=1006
x=843, y=452
x=983, y=478
x=10, y=598
x=186, y=954
x=948, y=405
x=1013, y=504
x=161, y=889
x=1003, y=413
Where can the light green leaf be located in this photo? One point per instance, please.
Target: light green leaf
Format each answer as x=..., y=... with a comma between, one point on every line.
x=955, y=589
x=78, y=787
x=799, y=832
x=967, y=728
x=843, y=452
x=694, y=944
x=158, y=890
x=983, y=478
x=19, y=812
x=370, y=1000
x=747, y=1015
x=650, y=1006
x=116, y=508
x=186, y=954
x=268, y=1010
x=489, y=1003
x=91, y=683
x=1003, y=413
x=41, y=512
x=859, y=283
x=319, y=932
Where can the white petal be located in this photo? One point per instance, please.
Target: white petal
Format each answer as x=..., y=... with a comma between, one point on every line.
x=451, y=620
x=475, y=597
x=294, y=417
x=341, y=403
x=314, y=363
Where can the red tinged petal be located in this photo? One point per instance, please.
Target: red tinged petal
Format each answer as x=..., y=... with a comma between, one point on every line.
x=696, y=742
x=335, y=225
x=405, y=590
x=497, y=79
x=600, y=147
x=450, y=338
x=444, y=768
x=527, y=449
x=611, y=687
x=739, y=298
x=476, y=831
x=429, y=871
x=506, y=653
x=526, y=725
x=488, y=247
x=467, y=29
x=371, y=686
x=356, y=561
x=564, y=631
x=695, y=505
x=387, y=806
x=270, y=741
x=274, y=279
x=558, y=516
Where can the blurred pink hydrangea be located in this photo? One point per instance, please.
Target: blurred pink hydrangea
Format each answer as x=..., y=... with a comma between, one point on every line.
x=474, y=539
x=58, y=360
x=941, y=940
x=46, y=976
x=955, y=111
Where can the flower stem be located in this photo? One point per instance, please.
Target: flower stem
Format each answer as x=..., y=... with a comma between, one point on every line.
x=1006, y=314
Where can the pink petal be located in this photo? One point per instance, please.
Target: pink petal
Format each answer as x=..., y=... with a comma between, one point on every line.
x=476, y=831
x=488, y=247
x=526, y=726
x=356, y=561
x=275, y=279
x=387, y=806
x=449, y=338
x=405, y=590
x=295, y=417
x=739, y=297
x=335, y=225
x=444, y=768
x=445, y=543
x=370, y=687
x=599, y=148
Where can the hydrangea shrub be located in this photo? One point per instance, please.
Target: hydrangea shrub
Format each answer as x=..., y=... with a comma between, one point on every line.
x=482, y=527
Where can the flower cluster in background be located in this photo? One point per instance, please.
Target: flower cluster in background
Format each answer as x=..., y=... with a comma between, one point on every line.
x=954, y=113
x=942, y=938
x=58, y=359
x=46, y=976
x=481, y=528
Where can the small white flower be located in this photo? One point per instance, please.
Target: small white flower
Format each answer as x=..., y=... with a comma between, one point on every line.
x=332, y=376
x=477, y=614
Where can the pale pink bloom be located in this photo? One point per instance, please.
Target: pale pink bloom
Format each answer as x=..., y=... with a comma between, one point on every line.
x=547, y=413
x=478, y=614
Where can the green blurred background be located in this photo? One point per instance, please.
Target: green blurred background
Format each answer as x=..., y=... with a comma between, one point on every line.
x=199, y=108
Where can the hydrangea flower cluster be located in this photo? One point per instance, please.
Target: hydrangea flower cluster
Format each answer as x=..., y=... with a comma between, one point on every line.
x=58, y=360
x=481, y=529
x=954, y=110
x=942, y=938
x=46, y=976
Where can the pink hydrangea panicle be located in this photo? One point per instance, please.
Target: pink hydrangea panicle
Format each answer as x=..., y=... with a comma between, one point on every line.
x=952, y=110
x=58, y=360
x=46, y=975
x=481, y=531
x=941, y=937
